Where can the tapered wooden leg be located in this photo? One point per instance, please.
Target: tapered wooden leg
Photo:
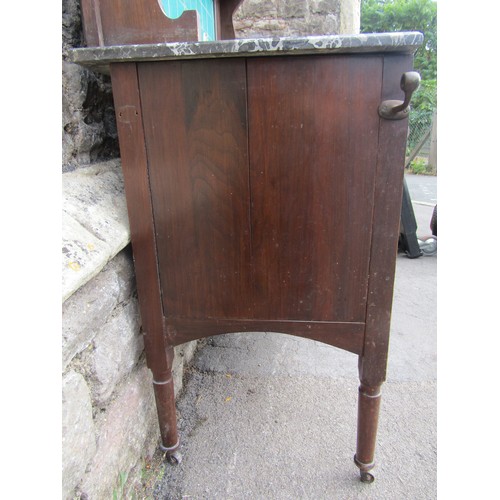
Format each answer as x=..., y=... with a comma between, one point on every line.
x=163, y=384
x=165, y=406
x=368, y=411
x=159, y=352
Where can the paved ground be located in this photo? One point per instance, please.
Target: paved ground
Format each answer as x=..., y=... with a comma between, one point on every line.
x=423, y=188
x=270, y=416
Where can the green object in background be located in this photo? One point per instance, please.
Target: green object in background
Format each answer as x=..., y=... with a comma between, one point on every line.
x=174, y=9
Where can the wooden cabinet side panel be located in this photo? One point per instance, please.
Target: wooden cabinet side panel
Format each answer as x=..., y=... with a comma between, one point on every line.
x=196, y=129
x=386, y=222
x=313, y=136
x=134, y=165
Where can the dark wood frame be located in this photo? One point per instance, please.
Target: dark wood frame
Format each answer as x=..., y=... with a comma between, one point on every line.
x=118, y=22
x=367, y=337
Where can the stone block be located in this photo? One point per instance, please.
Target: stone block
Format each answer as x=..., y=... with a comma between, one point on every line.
x=127, y=432
x=95, y=197
x=292, y=8
x=95, y=222
x=257, y=9
x=268, y=27
x=117, y=348
x=89, y=126
x=91, y=306
x=74, y=137
x=78, y=433
x=295, y=18
x=324, y=6
x=188, y=350
x=326, y=24
x=83, y=255
x=183, y=355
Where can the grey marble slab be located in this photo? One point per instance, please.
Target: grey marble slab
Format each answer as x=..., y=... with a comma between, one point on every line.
x=99, y=58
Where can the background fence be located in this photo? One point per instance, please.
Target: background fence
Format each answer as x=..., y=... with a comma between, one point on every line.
x=421, y=133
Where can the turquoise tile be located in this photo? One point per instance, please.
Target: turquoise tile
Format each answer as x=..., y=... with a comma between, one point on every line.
x=174, y=8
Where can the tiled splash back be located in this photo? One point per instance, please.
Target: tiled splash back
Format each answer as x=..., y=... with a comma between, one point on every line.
x=174, y=8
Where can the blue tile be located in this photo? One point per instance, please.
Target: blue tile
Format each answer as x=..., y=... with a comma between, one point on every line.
x=174, y=8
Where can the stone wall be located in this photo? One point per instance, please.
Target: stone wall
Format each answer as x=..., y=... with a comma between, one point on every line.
x=89, y=126
x=108, y=413
x=297, y=17
x=109, y=423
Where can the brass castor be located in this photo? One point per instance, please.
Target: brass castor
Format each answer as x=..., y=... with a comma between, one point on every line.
x=366, y=477
x=174, y=458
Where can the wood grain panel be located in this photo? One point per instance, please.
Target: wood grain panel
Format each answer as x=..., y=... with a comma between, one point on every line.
x=140, y=213
x=119, y=22
x=195, y=121
x=388, y=196
x=348, y=336
x=313, y=134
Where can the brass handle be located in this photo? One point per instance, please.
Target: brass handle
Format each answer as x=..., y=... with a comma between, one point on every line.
x=397, y=110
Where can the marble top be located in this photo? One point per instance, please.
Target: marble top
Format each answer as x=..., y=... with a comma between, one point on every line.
x=99, y=58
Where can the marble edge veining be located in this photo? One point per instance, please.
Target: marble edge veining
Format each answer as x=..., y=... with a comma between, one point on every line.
x=406, y=42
